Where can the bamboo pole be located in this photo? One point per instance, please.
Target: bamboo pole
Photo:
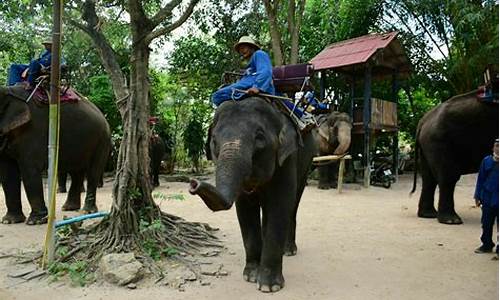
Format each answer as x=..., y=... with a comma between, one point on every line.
x=55, y=67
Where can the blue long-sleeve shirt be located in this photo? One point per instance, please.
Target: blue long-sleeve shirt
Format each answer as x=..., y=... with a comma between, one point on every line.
x=258, y=74
x=487, y=182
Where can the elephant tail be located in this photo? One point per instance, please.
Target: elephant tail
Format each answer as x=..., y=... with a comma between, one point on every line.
x=415, y=167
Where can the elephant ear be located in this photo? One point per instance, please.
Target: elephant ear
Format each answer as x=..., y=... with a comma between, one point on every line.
x=14, y=113
x=288, y=142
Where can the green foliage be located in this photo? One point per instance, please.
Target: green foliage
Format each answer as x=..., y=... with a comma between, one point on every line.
x=77, y=272
x=101, y=93
x=409, y=113
x=150, y=245
x=134, y=193
x=161, y=196
x=194, y=134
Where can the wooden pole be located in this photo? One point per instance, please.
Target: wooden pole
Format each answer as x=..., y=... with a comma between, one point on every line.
x=49, y=249
x=367, y=111
x=395, y=138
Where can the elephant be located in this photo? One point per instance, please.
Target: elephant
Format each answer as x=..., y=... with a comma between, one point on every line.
x=262, y=162
x=157, y=151
x=84, y=144
x=451, y=140
x=333, y=137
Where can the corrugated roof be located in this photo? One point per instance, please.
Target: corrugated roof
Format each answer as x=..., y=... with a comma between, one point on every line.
x=354, y=51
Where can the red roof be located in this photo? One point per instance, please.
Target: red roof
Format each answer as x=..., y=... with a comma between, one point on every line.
x=354, y=51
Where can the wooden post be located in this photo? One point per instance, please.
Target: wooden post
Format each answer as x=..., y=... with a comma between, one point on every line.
x=340, y=179
x=353, y=86
x=49, y=249
x=322, y=83
x=367, y=111
x=395, y=141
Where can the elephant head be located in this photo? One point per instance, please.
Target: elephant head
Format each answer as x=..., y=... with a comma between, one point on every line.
x=335, y=133
x=14, y=112
x=248, y=140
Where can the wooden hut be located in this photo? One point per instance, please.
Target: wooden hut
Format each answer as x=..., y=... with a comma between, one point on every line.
x=364, y=59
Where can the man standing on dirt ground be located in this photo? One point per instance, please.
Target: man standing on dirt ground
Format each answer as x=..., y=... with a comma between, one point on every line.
x=486, y=196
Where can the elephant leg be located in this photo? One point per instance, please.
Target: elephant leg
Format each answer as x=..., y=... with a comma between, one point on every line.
x=324, y=183
x=270, y=276
x=277, y=206
x=93, y=178
x=290, y=245
x=248, y=211
x=332, y=174
x=426, y=204
x=73, y=201
x=11, y=183
x=33, y=186
x=446, y=206
x=61, y=182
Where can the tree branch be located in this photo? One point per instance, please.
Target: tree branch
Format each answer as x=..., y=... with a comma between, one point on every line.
x=167, y=29
x=165, y=12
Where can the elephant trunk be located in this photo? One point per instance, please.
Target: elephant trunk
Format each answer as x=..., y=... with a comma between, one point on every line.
x=344, y=139
x=231, y=171
x=210, y=195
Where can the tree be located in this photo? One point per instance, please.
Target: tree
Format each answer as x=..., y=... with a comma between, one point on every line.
x=294, y=14
x=133, y=205
x=451, y=41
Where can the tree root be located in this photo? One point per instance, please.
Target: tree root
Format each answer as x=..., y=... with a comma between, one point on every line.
x=163, y=232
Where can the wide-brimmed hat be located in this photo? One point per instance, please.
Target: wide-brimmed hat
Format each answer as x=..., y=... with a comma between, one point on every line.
x=47, y=42
x=246, y=40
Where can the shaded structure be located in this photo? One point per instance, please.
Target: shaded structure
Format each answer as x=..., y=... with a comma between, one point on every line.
x=376, y=56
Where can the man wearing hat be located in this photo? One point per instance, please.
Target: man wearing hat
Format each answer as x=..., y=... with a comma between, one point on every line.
x=21, y=72
x=486, y=196
x=258, y=76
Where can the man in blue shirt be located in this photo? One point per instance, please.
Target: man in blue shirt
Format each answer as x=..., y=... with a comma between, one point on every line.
x=258, y=76
x=22, y=72
x=486, y=196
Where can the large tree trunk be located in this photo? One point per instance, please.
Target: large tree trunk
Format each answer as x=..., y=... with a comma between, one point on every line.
x=294, y=23
x=271, y=10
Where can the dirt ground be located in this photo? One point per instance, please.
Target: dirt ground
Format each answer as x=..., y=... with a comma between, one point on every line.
x=361, y=244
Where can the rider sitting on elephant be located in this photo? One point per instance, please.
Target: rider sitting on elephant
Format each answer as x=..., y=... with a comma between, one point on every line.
x=258, y=77
x=28, y=73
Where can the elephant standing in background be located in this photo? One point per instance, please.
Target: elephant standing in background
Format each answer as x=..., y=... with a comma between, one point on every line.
x=262, y=163
x=157, y=151
x=84, y=145
x=451, y=140
x=333, y=137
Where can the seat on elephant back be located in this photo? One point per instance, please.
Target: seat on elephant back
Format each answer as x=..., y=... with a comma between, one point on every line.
x=42, y=95
x=293, y=78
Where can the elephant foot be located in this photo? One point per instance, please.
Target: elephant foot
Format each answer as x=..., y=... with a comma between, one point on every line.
x=270, y=281
x=250, y=272
x=70, y=206
x=11, y=218
x=427, y=213
x=290, y=250
x=450, y=219
x=36, y=219
x=89, y=209
x=325, y=186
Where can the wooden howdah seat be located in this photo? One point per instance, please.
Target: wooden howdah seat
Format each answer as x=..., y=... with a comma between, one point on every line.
x=287, y=79
x=293, y=78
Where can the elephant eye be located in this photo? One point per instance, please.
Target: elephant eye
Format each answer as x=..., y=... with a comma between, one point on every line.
x=260, y=139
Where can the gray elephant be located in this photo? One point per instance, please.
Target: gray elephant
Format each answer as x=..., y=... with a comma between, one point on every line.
x=157, y=151
x=333, y=137
x=451, y=140
x=262, y=163
x=84, y=145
